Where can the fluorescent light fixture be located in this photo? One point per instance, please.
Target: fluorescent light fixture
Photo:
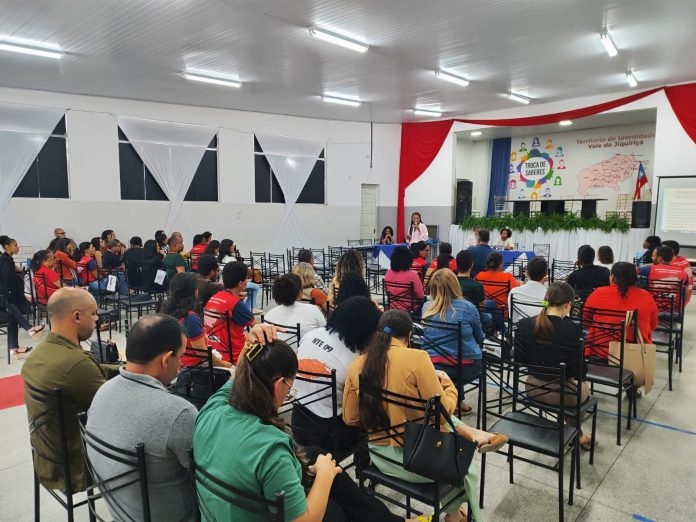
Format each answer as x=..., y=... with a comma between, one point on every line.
x=35, y=51
x=209, y=79
x=608, y=44
x=631, y=79
x=435, y=113
x=476, y=134
x=518, y=98
x=348, y=43
x=341, y=101
x=452, y=78
x=565, y=123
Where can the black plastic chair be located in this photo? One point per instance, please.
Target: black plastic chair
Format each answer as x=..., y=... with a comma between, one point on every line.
x=196, y=383
x=291, y=334
x=401, y=296
x=560, y=270
x=134, y=474
x=53, y=405
x=218, y=328
x=204, y=480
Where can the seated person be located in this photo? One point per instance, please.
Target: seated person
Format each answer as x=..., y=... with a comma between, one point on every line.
x=182, y=304
x=227, y=252
x=529, y=297
x=226, y=334
x=472, y=290
x=389, y=364
x=208, y=278
x=287, y=292
x=46, y=280
x=306, y=256
x=505, y=242
x=588, y=276
x=684, y=264
x=212, y=248
x=401, y=273
x=151, y=263
x=443, y=260
x=605, y=256
x=112, y=259
x=245, y=410
x=662, y=269
x=473, y=238
x=133, y=259
x=387, y=236
x=309, y=292
x=644, y=255
x=350, y=261
x=353, y=285
x=479, y=253
x=621, y=295
x=333, y=347
x=419, y=253
x=496, y=285
x=549, y=339
x=66, y=266
x=174, y=261
x=135, y=408
x=197, y=250
x=446, y=305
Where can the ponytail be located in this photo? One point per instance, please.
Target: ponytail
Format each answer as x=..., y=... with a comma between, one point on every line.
x=558, y=294
x=4, y=241
x=38, y=259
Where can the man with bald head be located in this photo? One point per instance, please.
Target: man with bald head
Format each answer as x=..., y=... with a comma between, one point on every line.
x=60, y=362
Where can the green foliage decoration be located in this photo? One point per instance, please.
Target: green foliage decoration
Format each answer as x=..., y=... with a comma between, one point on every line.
x=548, y=223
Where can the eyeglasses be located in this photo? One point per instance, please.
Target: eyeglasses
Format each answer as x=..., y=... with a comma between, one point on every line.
x=292, y=391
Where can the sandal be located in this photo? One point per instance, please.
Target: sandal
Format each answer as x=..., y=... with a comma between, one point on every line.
x=21, y=350
x=35, y=329
x=497, y=441
x=467, y=409
x=587, y=446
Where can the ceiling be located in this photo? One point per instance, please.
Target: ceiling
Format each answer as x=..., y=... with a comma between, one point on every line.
x=546, y=49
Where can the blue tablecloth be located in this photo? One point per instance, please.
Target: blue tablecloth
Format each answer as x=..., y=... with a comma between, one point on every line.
x=509, y=256
x=386, y=249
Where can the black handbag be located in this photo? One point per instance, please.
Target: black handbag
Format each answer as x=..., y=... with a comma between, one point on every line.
x=104, y=352
x=193, y=383
x=440, y=456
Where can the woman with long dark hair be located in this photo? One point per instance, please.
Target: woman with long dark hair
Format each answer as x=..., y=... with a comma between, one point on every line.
x=97, y=244
x=182, y=304
x=226, y=254
x=151, y=262
x=548, y=340
x=13, y=303
x=417, y=231
x=161, y=241
x=65, y=262
x=350, y=261
x=387, y=236
x=245, y=412
x=443, y=260
x=212, y=248
x=388, y=363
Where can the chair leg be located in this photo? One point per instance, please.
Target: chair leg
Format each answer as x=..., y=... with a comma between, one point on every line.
x=618, y=416
x=575, y=452
x=670, y=365
x=483, y=479
x=511, y=460
x=594, y=432
x=37, y=498
x=91, y=505
x=408, y=506
x=560, y=489
x=630, y=394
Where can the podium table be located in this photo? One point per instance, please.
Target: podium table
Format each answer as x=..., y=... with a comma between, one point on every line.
x=588, y=206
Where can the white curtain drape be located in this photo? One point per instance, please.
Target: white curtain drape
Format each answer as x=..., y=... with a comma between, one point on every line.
x=172, y=153
x=23, y=132
x=292, y=161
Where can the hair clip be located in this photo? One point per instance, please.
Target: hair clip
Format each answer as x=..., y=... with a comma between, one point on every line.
x=387, y=330
x=251, y=350
x=545, y=303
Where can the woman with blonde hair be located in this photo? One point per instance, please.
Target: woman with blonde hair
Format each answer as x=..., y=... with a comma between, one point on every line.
x=306, y=273
x=350, y=261
x=447, y=305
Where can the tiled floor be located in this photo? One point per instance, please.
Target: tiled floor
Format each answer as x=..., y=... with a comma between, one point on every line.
x=649, y=477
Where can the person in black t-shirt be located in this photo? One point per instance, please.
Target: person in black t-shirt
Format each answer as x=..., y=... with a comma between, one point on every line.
x=588, y=276
x=133, y=259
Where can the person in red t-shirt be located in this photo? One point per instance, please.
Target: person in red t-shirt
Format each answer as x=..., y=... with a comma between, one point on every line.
x=493, y=280
x=684, y=264
x=46, y=280
x=197, y=250
x=67, y=267
x=420, y=252
x=230, y=303
x=662, y=269
x=622, y=295
x=445, y=258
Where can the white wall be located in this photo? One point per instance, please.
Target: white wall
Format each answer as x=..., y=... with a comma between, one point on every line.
x=93, y=169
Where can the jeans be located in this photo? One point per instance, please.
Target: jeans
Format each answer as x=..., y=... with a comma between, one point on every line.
x=95, y=286
x=14, y=319
x=252, y=291
x=470, y=372
x=498, y=315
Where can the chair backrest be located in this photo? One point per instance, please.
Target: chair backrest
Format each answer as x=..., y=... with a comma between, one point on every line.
x=520, y=308
x=560, y=270
x=354, y=242
x=218, y=327
x=496, y=290
x=542, y=249
x=206, y=481
x=291, y=335
x=401, y=296
x=257, y=261
x=661, y=290
x=273, y=266
x=603, y=326
x=132, y=474
x=189, y=384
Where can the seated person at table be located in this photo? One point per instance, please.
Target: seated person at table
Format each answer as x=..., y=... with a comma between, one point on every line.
x=548, y=339
x=472, y=290
x=46, y=280
x=479, y=253
x=229, y=302
x=387, y=236
x=419, y=252
x=334, y=347
x=473, y=238
x=447, y=305
x=309, y=291
x=496, y=285
x=244, y=413
x=505, y=242
x=389, y=364
x=197, y=250
x=401, y=273
x=588, y=276
x=287, y=291
x=644, y=255
x=621, y=295
x=443, y=260
x=417, y=231
x=684, y=264
x=305, y=256
x=529, y=297
x=174, y=262
x=662, y=269
x=133, y=259
x=350, y=261
x=208, y=278
x=605, y=256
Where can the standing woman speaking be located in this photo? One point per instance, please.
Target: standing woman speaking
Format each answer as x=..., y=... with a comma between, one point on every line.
x=417, y=231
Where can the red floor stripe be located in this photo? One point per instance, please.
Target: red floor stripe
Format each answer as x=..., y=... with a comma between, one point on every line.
x=11, y=392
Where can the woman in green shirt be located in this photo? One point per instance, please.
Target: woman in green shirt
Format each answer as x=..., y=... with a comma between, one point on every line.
x=240, y=439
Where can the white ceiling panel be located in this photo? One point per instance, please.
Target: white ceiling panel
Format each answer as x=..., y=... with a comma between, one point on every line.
x=546, y=49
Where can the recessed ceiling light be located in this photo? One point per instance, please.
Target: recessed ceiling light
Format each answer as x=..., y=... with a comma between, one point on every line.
x=476, y=134
x=22, y=46
x=631, y=79
x=435, y=113
x=210, y=79
x=518, y=98
x=348, y=43
x=341, y=101
x=608, y=43
x=565, y=123
x=452, y=78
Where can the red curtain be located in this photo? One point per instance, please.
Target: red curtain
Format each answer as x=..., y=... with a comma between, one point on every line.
x=420, y=142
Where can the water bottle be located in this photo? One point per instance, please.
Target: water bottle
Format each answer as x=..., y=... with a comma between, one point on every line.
x=524, y=247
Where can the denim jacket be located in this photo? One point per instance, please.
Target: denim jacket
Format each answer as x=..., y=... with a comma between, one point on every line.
x=472, y=333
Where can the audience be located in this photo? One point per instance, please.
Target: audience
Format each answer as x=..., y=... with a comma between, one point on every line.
x=548, y=340
x=112, y=258
x=472, y=290
x=332, y=347
x=135, y=408
x=97, y=244
x=388, y=363
x=287, y=292
x=133, y=259
x=199, y=244
x=212, y=248
x=605, y=256
x=529, y=296
x=417, y=231
x=208, y=278
x=244, y=413
x=174, y=261
x=684, y=264
x=496, y=285
x=226, y=334
x=505, y=242
x=161, y=240
x=420, y=252
x=350, y=261
x=588, y=276
x=387, y=236
x=67, y=267
x=663, y=270
x=151, y=263
x=401, y=274
x=644, y=255
x=226, y=254
x=305, y=256
x=443, y=260
x=46, y=279
x=309, y=291
x=479, y=253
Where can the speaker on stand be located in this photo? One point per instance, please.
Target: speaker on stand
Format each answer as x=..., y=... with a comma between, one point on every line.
x=463, y=200
x=640, y=214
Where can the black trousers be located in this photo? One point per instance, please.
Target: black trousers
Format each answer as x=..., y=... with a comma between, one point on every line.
x=349, y=503
x=309, y=429
x=14, y=319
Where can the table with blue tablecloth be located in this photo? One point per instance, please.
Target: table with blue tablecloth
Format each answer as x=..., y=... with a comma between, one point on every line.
x=510, y=256
x=383, y=253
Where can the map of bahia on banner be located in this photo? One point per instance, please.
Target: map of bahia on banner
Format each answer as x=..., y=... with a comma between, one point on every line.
x=600, y=163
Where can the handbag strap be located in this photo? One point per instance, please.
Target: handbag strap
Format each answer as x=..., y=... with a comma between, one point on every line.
x=443, y=412
x=629, y=318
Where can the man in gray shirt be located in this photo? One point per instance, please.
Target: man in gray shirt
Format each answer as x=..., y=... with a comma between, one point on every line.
x=134, y=408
